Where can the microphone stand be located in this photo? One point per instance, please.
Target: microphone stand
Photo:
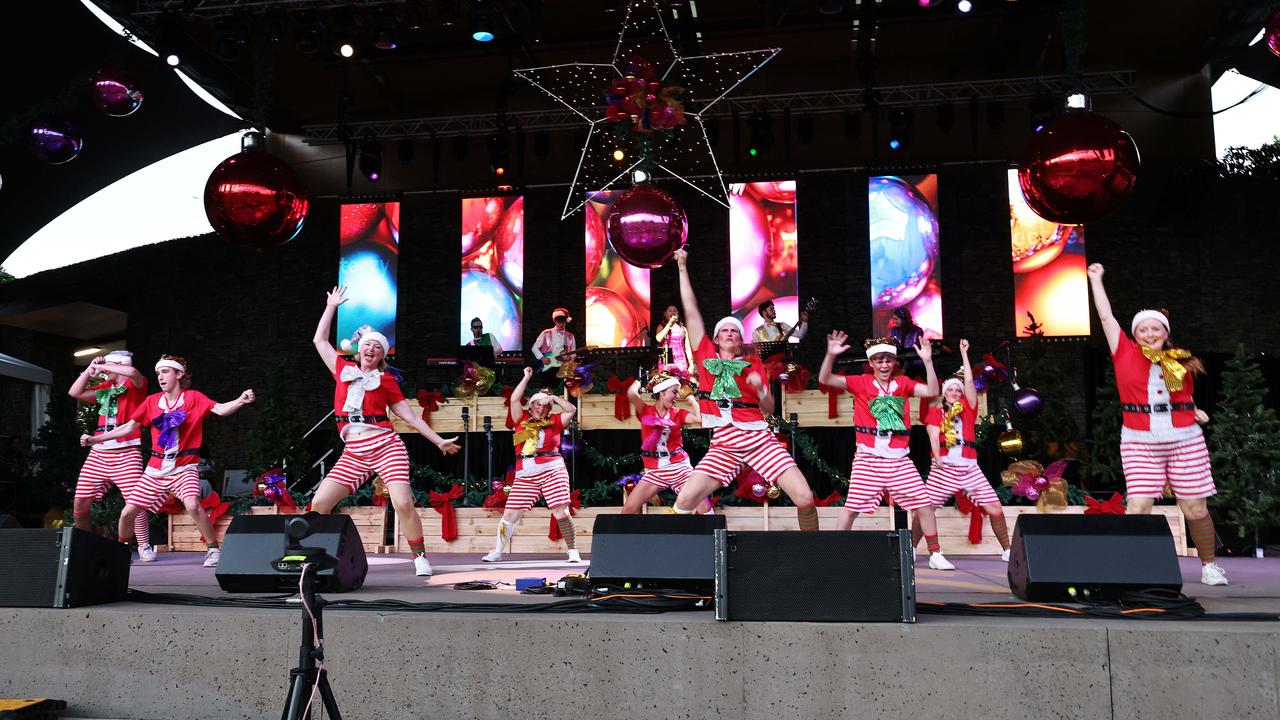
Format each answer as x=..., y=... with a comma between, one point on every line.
x=488, y=438
x=466, y=453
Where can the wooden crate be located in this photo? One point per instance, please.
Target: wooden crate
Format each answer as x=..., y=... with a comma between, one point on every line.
x=953, y=528
x=810, y=408
x=370, y=522
x=448, y=418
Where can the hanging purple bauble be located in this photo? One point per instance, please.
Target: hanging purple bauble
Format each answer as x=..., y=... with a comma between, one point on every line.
x=115, y=92
x=1078, y=168
x=54, y=140
x=255, y=199
x=645, y=226
x=1272, y=33
x=1027, y=401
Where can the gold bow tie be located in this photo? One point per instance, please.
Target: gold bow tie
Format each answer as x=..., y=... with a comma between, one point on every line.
x=949, y=435
x=1174, y=371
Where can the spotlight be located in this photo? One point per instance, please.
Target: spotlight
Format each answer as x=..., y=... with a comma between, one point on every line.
x=449, y=13
x=499, y=153
x=619, y=154
x=415, y=14
x=482, y=29
x=225, y=46
x=964, y=6
x=1078, y=101
x=172, y=60
x=385, y=34
x=371, y=160
x=345, y=50
x=639, y=176
x=901, y=127
x=277, y=28
x=761, y=127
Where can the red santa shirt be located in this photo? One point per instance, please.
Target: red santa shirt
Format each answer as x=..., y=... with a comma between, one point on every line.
x=547, y=441
x=661, y=441
x=1141, y=382
x=717, y=413
x=373, y=412
x=863, y=388
x=172, y=447
x=962, y=453
x=126, y=403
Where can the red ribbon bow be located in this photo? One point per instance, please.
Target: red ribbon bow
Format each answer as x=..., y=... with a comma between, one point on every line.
x=621, y=403
x=443, y=503
x=430, y=402
x=575, y=502
x=213, y=504
x=832, y=499
x=506, y=403
x=1114, y=506
x=833, y=395
x=974, y=511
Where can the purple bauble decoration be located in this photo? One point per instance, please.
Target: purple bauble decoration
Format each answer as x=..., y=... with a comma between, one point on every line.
x=645, y=226
x=758, y=490
x=54, y=140
x=1078, y=168
x=115, y=92
x=255, y=199
x=1027, y=401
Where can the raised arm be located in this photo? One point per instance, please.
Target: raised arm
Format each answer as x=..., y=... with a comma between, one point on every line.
x=970, y=390
x=695, y=328
x=448, y=446
x=119, y=432
x=80, y=388
x=837, y=343
x=517, y=396
x=662, y=331
x=929, y=388
x=567, y=409
x=336, y=297
x=232, y=407
x=633, y=394
x=694, y=418
x=1110, y=328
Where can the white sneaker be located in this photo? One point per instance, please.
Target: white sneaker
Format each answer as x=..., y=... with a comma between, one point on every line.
x=1005, y=555
x=1212, y=574
x=938, y=561
x=211, y=557
x=421, y=567
x=574, y=557
x=146, y=553
x=494, y=556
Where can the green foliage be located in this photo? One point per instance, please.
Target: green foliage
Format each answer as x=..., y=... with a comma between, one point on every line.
x=56, y=458
x=1244, y=443
x=5, y=277
x=1054, y=433
x=1260, y=162
x=1103, y=466
x=276, y=439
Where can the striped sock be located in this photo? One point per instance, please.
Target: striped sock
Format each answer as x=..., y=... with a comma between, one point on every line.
x=566, y=531
x=1201, y=530
x=418, y=547
x=808, y=517
x=142, y=528
x=931, y=541
x=1000, y=529
x=917, y=532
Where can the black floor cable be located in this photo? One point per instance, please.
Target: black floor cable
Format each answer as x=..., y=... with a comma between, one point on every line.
x=1152, y=604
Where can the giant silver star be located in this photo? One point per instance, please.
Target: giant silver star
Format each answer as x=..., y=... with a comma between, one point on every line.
x=683, y=153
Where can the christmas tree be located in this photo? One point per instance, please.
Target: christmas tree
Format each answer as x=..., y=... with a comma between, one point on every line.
x=1103, y=468
x=1244, y=445
x=1054, y=433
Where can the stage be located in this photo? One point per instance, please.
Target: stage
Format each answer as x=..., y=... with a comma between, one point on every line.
x=150, y=661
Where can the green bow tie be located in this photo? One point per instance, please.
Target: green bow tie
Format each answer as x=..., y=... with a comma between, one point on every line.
x=887, y=410
x=724, y=371
x=107, y=400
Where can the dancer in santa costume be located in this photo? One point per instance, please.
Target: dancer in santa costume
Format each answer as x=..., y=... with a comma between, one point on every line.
x=882, y=430
x=955, y=454
x=540, y=470
x=176, y=417
x=1160, y=439
x=666, y=464
x=734, y=398
x=115, y=462
x=362, y=396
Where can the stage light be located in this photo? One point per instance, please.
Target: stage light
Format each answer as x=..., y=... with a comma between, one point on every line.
x=901, y=128
x=499, y=153
x=639, y=176
x=277, y=28
x=385, y=32
x=415, y=14
x=371, y=160
x=760, y=126
x=306, y=34
x=610, y=6
x=345, y=50
x=927, y=3
x=1078, y=101
x=449, y=13
x=172, y=60
x=85, y=352
x=964, y=6
x=619, y=154
x=482, y=29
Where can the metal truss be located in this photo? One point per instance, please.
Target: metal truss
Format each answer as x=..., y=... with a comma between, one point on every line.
x=207, y=9
x=1097, y=84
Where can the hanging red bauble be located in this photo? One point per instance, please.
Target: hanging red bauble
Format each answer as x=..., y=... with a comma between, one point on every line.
x=646, y=226
x=1078, y=168
x=1271, y=33
x=255, y=199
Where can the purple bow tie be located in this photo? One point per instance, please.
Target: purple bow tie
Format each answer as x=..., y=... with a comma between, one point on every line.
x=168, y=424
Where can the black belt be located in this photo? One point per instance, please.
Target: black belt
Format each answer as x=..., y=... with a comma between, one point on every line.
x=361, y=418
x=544, y=453
x=881, y=433
x=180, y=453
x=106, y=428
x=648, y=454
x=1157, y=408
x=963, y=443
x=726, y=403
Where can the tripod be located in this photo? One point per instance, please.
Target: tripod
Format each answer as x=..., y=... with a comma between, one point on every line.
x=310, y=676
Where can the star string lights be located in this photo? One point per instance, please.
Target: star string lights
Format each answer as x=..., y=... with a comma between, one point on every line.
x=645, y=107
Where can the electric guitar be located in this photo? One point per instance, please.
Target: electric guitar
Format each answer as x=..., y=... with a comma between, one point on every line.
x=810, y=305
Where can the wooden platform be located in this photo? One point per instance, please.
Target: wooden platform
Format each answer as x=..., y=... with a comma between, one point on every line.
x=812, y=408
x=371, y=522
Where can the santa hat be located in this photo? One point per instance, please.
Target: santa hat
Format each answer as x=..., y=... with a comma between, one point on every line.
x=728, y=321
x=560, y=312
x=1161, y=316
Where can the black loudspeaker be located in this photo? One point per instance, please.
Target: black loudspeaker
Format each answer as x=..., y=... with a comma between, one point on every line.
x=669, y=551
x=860, y=576
x=253, y=542
x=1090, y=557
x=61, y=568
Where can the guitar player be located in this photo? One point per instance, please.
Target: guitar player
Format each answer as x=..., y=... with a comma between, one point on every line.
x=773, y=331
x=553, y=345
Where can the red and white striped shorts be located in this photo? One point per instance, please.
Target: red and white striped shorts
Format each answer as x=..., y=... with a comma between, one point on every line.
x=947, y=480
x=383, y=454
x=150, y=491
x=104, y=468
x=549, y=481
x=871, y=476
x=1183, y=463
x=671, y=477
x=732, y=448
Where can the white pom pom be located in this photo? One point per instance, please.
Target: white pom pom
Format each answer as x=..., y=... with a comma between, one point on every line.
x=345, y=344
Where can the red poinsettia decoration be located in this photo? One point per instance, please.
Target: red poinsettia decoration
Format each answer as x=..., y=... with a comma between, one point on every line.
x=643, y=101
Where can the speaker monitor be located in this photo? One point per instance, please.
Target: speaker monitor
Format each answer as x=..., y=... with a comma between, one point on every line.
x=253, y=542
x=860, y=576
x=1092, y=556
x=670, y=551
x=61, y=568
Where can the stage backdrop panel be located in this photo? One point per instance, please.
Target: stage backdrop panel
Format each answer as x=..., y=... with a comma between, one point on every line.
x=368, y=258
x=1050, y=286
x=493, y=267
x=617, y=291
x=763, y=251
x=903, y=224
